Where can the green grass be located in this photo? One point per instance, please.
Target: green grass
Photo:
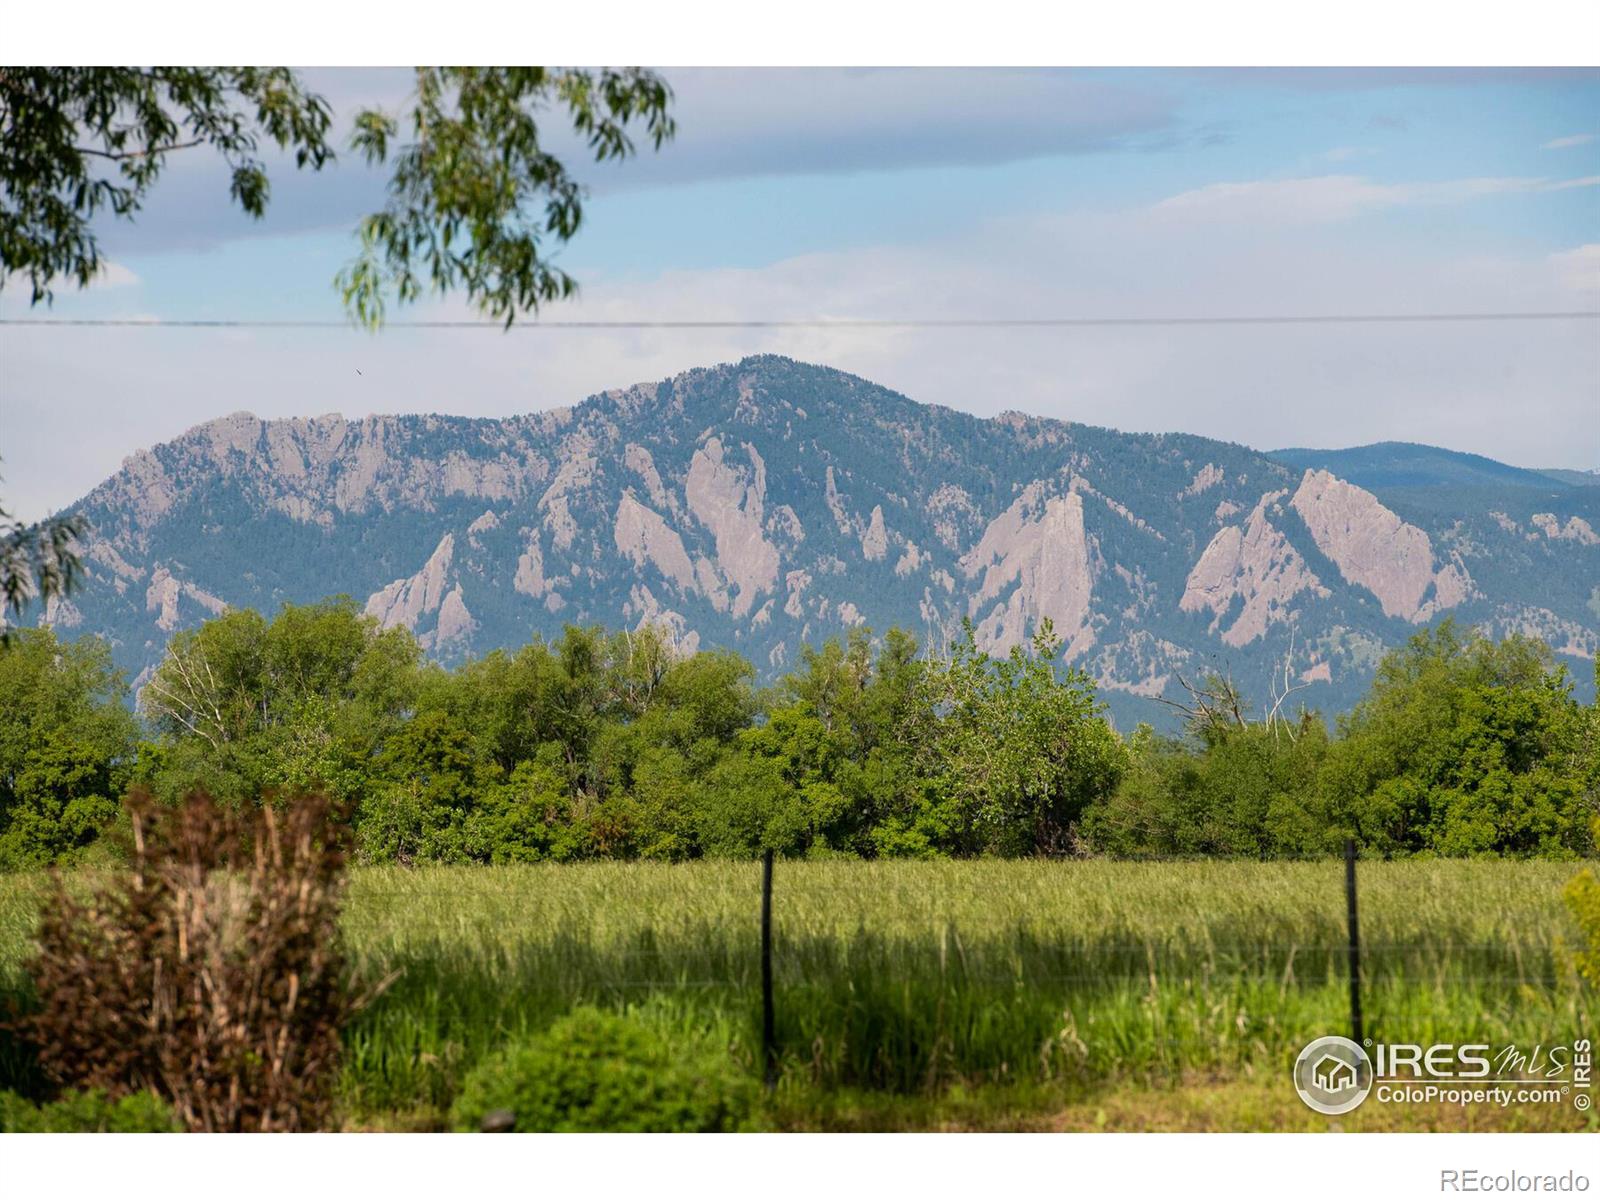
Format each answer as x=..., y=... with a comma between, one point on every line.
x=900, y=984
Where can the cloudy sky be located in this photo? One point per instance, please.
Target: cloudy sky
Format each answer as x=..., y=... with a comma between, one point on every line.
x=799, y=194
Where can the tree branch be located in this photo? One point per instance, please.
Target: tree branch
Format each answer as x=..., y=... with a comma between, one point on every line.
x=145, y=153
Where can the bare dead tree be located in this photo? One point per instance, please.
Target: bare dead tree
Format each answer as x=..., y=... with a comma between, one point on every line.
x=1282, y=692
x=190, y=696
x=648, y=654
x=1215, y=706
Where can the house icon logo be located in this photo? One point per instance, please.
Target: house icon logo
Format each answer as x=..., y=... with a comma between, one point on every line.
x=1333, y=1075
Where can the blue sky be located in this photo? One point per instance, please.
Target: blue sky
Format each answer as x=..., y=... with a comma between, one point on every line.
x=919, y=192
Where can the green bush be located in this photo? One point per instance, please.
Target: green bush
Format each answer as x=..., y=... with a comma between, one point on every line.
x=595, y=1071
x=1583, y=901
x=1583, y=898
x=87, y=1112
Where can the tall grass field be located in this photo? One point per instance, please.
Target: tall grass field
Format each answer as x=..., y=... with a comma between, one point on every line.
x=941, y=989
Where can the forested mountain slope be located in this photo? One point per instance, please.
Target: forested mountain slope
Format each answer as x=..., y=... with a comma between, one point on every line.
x=768, y=504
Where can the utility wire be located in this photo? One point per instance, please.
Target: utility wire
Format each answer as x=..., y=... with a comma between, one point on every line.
x=830, y=323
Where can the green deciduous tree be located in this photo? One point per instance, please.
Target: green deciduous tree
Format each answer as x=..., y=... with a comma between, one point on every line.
x=306, y=700
x=619, y=745
x=1464, y=746
x=1241, y=790
x=1019, y=749
x=843, y=735
x=432, y=779
x=66, y=746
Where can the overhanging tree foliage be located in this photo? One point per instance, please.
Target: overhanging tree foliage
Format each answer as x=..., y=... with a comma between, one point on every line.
x=37, y=561
x=477, y=200
x=477, y=203
x=76, y=142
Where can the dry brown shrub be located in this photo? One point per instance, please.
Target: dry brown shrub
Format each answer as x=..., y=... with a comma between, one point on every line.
x=209, y=972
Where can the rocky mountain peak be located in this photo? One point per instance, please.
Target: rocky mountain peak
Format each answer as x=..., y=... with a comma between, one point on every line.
x=766, y=504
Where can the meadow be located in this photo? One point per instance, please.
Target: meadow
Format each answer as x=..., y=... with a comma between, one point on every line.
x=958, y=993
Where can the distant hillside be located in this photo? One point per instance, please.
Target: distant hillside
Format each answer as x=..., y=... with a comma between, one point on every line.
x=768, y=504
x=1590, y=478
x=1408, y=464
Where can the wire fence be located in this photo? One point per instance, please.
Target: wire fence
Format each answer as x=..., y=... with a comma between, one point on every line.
x=905, y=978
x=822, y=961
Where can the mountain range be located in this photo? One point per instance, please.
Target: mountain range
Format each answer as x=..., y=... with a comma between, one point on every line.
x=1409, y=465
x=768, y=504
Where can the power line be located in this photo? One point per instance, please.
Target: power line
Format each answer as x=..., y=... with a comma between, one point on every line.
x=832, y=323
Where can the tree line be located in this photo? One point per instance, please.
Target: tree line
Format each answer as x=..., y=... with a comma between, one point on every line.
x=615, y=745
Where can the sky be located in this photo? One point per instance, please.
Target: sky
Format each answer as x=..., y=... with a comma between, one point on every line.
x=918, y=193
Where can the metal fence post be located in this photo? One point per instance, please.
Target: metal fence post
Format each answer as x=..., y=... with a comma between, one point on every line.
x=1355, y=938
x=769, y=1034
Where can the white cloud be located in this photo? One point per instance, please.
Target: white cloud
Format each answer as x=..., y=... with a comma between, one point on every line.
x=1324, y=198
x=1346, y=153
x=732, y=123
x=1318, y=198
x=1566, y=143
x=17, y=290
x=1579, y=268
x=114, y=275
x=1448, y=384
